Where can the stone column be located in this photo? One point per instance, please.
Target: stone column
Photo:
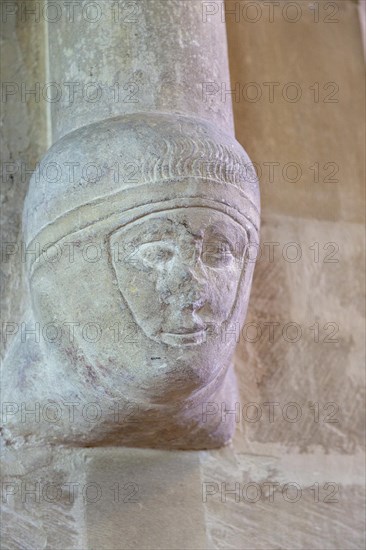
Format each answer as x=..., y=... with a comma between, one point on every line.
x=118, y=58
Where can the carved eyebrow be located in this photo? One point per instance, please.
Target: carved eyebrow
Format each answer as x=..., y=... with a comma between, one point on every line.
x=219, y=232
x=147, y=235
x=213, y=232
x=235, y=241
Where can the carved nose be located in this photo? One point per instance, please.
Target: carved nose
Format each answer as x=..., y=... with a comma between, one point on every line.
x=193, y=289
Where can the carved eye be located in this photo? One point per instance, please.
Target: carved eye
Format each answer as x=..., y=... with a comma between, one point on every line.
x=217, y=254
x=155, y=253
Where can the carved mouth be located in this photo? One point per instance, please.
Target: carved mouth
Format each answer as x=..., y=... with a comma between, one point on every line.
x=184, y=337
x=186, y=331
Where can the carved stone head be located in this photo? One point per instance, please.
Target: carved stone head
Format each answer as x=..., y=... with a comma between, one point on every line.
x=159, y=212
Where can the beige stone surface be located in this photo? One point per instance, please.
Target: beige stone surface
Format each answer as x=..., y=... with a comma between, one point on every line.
x=249, y=506
x=322, y=125
x=43, y=495
x=159, y=504
x=317, y=308
x=23, y=141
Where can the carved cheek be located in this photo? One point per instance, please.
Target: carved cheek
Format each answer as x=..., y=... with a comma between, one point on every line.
x=223, y=285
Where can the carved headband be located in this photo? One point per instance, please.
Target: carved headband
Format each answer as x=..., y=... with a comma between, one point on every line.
x=167, y=158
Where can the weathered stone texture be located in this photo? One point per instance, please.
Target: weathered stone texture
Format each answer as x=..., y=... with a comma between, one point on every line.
x=305, y=292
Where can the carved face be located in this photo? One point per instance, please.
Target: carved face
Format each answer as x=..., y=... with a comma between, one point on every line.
x=179, y=272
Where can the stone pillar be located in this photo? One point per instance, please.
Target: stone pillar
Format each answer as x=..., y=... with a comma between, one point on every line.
x=118, y=58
